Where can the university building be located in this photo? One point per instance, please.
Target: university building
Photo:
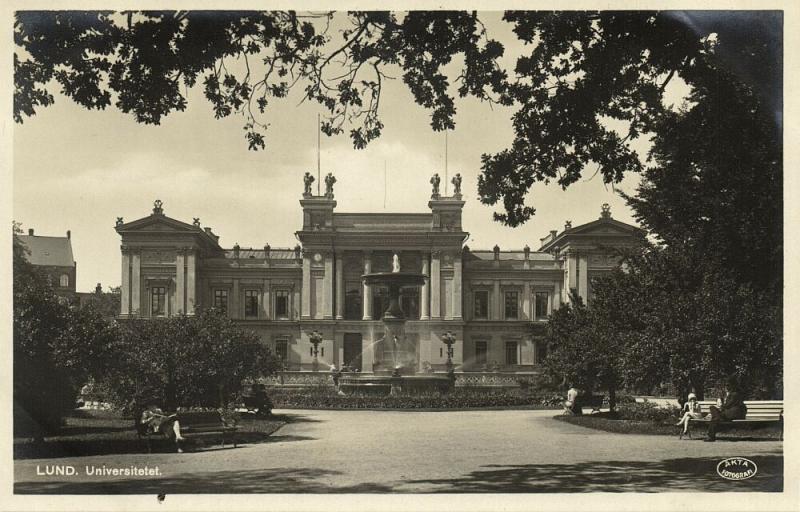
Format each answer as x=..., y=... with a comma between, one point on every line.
x=495, y=302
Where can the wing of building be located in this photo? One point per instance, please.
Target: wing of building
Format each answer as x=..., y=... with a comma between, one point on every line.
x=496, y=302
x=53, y=256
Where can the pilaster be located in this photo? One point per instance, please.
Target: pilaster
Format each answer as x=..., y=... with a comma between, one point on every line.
x=305, y=301
x=327, y=286
x=180, y=282
x=339, y=285
x=436, y=285
x=367, y=302
x=125, y=291
x=424, y=299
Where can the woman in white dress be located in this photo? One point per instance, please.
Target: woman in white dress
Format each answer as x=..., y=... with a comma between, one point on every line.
x=691, y=410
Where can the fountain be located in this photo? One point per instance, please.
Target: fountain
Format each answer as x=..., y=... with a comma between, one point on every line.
x=396, y=367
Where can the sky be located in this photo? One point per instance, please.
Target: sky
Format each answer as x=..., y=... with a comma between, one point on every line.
x=79, y=170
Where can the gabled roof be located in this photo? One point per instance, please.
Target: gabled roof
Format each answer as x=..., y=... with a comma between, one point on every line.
x=49, y=250
x=158, y=222
x=604, y=226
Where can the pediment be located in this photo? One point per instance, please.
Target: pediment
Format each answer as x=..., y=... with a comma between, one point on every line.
x=157, y=223
x=604, y=227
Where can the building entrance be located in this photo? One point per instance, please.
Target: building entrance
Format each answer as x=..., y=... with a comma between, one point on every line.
x=352, y=350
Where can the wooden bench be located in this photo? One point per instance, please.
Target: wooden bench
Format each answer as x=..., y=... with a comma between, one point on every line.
x=758, y=411
x=593, y=401
x=193, y=423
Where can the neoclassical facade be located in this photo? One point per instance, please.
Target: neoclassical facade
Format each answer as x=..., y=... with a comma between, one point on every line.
x=495, y=302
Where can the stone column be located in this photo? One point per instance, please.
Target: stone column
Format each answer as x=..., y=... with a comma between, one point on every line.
x=498, y=302
x=339, y=286
x=583, y=278
x=294, y=312
x=527, y=313
x=424, y=299
x=367, y=299
x=125, y=297
x=572, y=272
x=136, y=284
x=436, y=285
x=457, y=295
x=180, y=282
x=191, y=282
x=233, y=311
x=266, y=310
x=305, y=301
x=556, y=295
x=327, y=286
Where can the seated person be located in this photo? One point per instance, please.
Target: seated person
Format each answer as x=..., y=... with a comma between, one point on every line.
x=157, y=421
x=691, y=410
x=571, y=405
x=731, y=408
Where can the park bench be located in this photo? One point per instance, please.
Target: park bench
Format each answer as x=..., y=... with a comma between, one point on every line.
x=593, y=401
x=193, y=423
x=758, y=411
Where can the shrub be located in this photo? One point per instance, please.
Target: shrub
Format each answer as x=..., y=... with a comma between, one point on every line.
x=327, y=398
x=647, y=411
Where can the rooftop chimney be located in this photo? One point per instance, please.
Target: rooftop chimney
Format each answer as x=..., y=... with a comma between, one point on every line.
x=30, y=231
x=236, y=251
x=553, y=233
x=69, y=235
x=99, y=287
x=496, y=252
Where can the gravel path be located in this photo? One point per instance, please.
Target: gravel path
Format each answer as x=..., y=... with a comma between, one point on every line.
x=425, y=452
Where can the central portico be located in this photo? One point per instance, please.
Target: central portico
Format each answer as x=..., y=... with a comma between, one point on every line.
x=339, y=248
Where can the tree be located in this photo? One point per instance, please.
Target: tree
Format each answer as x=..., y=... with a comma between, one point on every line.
x=247, y=59
x=584, y=71
x=56, y=349
x=583, y=348
x=184, y=361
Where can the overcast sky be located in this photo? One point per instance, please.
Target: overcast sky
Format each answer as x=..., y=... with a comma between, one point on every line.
x=79, y=170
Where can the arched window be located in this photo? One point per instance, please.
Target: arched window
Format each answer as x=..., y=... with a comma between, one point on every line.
x=64, y=282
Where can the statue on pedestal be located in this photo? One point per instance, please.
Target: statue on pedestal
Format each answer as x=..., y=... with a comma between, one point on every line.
x=435, y=180
x=308, y=179
x=395, y=263
x=329, y=181
x=456, y=181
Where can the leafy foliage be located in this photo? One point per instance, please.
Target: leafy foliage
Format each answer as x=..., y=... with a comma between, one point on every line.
x=589, y=71
x=184, y=361
x=144, y=60
x=56, y=349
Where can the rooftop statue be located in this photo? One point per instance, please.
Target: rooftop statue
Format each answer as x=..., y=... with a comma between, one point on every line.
x=308, y=179
x=329, y=181
x=456, y=181
x=435, y=181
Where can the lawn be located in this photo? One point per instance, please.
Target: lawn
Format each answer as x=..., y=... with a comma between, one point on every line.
x=90, y=432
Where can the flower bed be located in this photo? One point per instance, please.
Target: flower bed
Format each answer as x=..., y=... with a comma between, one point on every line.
x=458, y=399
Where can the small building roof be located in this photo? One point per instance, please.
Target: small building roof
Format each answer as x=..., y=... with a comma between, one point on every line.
x=55, y=251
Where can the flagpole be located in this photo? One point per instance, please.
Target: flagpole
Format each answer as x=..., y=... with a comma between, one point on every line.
x=445, y=162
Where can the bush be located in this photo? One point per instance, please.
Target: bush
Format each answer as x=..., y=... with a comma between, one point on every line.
x=647, y=411
x=327, y=398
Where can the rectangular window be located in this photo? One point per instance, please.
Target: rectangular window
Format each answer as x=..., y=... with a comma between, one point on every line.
x=380, y=301
x=511, y=353
x=512, y=306
x=409, y=303
x=221, y=300
x=541, y=305
x=251, y=303
x=481, y=349
x=352, y=301
x=158, y=301
x=481, y=311
x=282, y=349
x=282, y=304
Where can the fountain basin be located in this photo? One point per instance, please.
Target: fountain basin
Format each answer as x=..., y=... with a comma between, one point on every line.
x=381, y=385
